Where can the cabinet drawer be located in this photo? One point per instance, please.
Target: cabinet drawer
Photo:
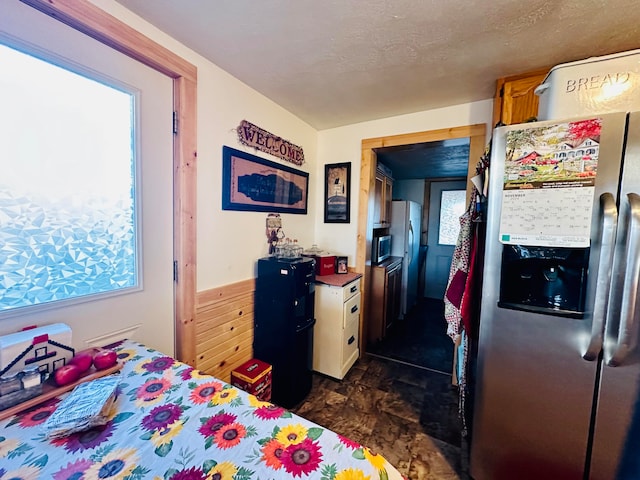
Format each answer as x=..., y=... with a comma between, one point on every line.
x=350, y=340
x=351, y=289
x=351, y=310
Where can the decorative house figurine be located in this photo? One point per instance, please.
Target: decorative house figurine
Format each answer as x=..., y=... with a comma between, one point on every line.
x=47, y=347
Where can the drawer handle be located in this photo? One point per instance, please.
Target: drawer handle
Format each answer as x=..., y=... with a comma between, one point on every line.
x=351, y=340
x=354, y=309
x=354, y=288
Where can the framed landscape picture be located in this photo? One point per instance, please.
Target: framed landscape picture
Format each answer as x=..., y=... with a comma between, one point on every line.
x=251, y=183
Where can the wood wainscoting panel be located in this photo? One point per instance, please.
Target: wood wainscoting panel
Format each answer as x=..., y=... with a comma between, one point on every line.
x=224, y=328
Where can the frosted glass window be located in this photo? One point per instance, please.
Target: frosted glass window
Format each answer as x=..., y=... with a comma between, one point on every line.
x=452, y=206
x=67, y=187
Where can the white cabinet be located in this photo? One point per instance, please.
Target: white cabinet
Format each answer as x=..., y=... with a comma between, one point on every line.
x=335, y=335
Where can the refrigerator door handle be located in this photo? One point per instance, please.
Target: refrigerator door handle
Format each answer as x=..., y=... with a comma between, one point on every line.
x=603, y=281
x=627, y=335
x=410, y=242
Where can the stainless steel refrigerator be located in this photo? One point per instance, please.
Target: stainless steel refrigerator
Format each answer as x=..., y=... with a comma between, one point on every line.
x=406, y=217
x=558, y=365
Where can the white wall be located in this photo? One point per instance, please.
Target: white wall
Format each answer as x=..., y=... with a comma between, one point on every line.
x=230, y=242
x=409, y=190
x=343, y=144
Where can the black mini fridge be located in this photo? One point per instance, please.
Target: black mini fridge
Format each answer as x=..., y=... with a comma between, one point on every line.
x=283, y=325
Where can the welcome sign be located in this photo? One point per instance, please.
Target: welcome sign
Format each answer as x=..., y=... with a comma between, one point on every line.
x=254, y=136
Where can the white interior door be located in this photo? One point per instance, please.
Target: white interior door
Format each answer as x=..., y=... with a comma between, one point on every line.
x=145, y=313
x=440, y=251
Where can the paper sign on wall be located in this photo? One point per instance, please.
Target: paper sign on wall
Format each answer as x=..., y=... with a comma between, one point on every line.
x=549, y=184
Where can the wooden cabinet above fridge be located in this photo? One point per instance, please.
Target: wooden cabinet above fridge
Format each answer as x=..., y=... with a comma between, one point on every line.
x=515, y=100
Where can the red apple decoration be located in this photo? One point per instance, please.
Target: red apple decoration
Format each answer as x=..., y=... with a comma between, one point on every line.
x=105, y=358
x=66, y=374
x=83, y=360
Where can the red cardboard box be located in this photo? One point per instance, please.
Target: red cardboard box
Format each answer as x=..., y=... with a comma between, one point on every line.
x=253, y=376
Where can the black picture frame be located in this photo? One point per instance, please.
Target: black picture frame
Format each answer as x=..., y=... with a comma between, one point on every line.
x=337, y=193
x=251, y=183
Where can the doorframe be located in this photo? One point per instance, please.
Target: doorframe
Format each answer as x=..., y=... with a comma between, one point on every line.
x=100, y=25
x=366, y=196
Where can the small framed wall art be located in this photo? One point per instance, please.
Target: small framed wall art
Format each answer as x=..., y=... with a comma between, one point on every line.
x=341, y=265
x=337, y=192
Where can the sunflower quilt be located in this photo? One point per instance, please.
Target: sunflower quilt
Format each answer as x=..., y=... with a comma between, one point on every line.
x=173, y=422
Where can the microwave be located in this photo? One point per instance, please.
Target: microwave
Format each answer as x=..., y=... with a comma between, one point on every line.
x=381, y=249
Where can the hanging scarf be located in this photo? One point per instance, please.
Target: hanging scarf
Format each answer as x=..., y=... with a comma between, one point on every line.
x=459, y=271
x=461, y=295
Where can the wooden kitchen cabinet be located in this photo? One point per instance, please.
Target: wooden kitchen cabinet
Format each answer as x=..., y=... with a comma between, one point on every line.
x=335, y=336
x=394, y=287
x=383, y=196
x=384, y=308
x=515, y=100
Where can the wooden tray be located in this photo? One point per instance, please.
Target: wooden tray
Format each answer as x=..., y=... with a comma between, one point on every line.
x=51, y=390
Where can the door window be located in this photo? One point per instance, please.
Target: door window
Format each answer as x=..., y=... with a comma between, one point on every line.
x=67, y=190
x=452, y=206
x=112, y=182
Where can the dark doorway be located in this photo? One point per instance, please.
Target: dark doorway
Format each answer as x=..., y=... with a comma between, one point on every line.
x=420, y=174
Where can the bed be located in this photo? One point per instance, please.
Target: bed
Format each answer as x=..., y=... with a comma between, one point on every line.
x=173, y=422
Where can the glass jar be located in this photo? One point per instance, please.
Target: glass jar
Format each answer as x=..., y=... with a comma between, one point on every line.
x=296, y=250
x=314, y=250
x=10, y=383
x=31, y=377
x=287, y=248
x=279, y=251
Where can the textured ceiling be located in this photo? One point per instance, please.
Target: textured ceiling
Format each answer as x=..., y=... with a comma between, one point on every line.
x=443, y=159
x=337, y=62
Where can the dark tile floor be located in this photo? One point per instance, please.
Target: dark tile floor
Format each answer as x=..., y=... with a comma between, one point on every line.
x=407, y=413
x=420, y=338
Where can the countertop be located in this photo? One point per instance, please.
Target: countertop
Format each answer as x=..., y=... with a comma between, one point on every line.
x=389, y=262
x=338, y=279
